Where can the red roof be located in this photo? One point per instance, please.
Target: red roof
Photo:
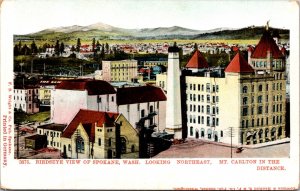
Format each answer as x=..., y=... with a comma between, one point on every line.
x=239, y=65
x=250, y=49
x=197, y=61
x=141, y=94
x=88, y=119
x=94, y=87
x=266, y=43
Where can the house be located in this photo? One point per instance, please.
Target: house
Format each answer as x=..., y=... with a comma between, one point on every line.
x=46, y=86
x=96, y=135
x=53, y=132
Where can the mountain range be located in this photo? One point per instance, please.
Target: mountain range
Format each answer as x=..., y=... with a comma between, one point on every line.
x=105, y=31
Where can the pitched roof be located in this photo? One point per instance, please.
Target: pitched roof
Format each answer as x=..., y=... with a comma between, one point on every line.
x=53, y=126
x=239, y=65
x=88, y=119
x=141, y=94
x=94, y=87
x=266, y=44
x=197, y=61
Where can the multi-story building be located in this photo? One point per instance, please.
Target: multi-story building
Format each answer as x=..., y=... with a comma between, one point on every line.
x=244, y=104
x=46, y=86
x=93, y=134
x=133, y=102
x=26, y=99
x=53, y=133
x=123, y=70
x=71, y=95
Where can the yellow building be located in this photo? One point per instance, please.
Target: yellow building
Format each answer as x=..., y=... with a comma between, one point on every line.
x=98, y=135
x=123, y=70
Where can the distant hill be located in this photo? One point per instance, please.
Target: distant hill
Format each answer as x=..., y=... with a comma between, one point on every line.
x=103, y=31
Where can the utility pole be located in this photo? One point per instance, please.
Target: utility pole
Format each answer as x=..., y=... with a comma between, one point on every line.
x=31, y=66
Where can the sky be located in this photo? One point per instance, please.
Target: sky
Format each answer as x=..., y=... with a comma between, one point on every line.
x=27, y=16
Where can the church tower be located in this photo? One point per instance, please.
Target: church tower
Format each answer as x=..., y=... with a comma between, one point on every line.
x=173, y=110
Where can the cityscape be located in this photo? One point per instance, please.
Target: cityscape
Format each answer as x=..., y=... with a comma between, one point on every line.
x=104, y=99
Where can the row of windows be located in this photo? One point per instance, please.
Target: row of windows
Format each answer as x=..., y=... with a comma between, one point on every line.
x=99, y=99
x=262, y=121
x=209, y=109
x=260, y=99
x=210, y=121
x=53, y=143
x=52, y=134
x=276, y=108
x=29, y=91
x=200, y=87
x=215, y=99
x=275, y=86
x=275, y=63
x=202, y=134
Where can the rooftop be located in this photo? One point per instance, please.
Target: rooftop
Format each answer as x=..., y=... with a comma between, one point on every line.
x=88, y=119
x=197, y=61
x=53, y=126
x=93, y=87
x=141, y=94
x=239, y=65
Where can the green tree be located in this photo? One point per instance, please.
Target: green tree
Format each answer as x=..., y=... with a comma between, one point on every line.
x=56, y=48
x=62, y=48
x=98, y=46
x=78, y=45
x=107, y=47
x=93, y=44
x=16, y=50
x=34, y=48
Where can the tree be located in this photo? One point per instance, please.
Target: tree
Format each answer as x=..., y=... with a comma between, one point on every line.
x=73, y=48
x=78, y=45
x=93, y=45
x=34, y=48
x=107, y=47
x=16, y=50
x=20, y=46
x=102, y=54
x=62, y=48
x=98, y=46
x=56, y=48
x=25, y=50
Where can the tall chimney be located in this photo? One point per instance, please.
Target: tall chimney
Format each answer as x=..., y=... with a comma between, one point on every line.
x=173, y=112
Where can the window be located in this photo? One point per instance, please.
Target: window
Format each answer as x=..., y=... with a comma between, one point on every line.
x=194, y=86
x=199, y=109
x=257, y=124
x=259, y=99
x=217, y=121
x=202, y=120
x=191, y=97
x=199, y=121
x=151, y=109
x=142, y=113
x=99, y=142
x=217, y=110
x=198, y=87
x=191, y=107
x=199, y=98
x=245, y=89
x=267, y=108
x=245, y=100
x=112, y=98
x=191, y=86
x=267, y=98
x=262, y=121
x=123, y=145
x=247, y=123
x=191, y=119
x=202, y=98
x=252, y=122
x=267, y=121
x=217, y=88
x=208, y=98
x=132, y=149
x=221, y=133
x=214, y=110
x=208, y=109
x=267, y=87
x=214, y=99
x=213, y=88
x=202, y=87
x=191, y=131
x=109, y=142
x=259, y=109
x=260, y=88
x=194, y=97
x=217, y=99
x=207, y=87
x=245, y=111
x=243, y=124
x=202, y=109
x=194, y=108
x=69, y=147
x=79, y=144
x=208, y=121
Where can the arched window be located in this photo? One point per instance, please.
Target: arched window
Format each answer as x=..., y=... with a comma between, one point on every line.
x=69, y=147
x=245, y=89
x=151, y=109
x=260, y=88
x=245, y=100
x=132, y=149
x=191, y=131
x=79, y=144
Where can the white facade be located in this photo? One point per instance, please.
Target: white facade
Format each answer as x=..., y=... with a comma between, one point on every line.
x=26, y=100
x=173, y=110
